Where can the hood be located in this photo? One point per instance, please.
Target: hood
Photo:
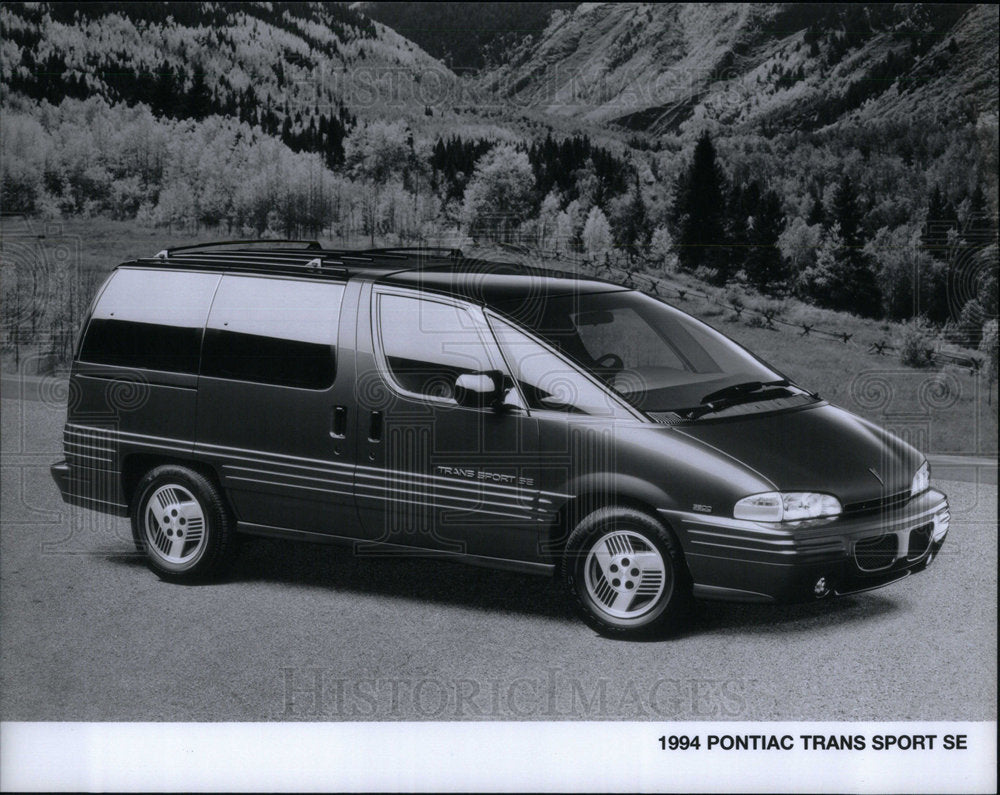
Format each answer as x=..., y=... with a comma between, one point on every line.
x=821, y=448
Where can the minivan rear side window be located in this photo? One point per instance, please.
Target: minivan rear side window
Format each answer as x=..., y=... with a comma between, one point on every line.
x=150, y=319
x=273, y=331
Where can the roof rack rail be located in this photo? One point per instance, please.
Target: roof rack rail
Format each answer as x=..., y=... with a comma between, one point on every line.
x=312, y=245
x=448, y=252
x=315, y=268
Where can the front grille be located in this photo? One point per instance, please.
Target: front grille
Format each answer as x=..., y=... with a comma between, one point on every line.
x=882, y=503
x=879, y=553
x=920, y=539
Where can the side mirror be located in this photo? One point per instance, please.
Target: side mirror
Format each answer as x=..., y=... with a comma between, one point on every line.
x=479, y=390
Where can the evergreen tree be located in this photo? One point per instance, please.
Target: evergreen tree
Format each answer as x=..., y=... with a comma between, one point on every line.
x=852, y=284
x=198, y=102
x=847, y=212
x=766, y=269
x=635, y=231
x=979, y=224
x=163, y=98
x=940, y=219
x=742, y=206
x=699, y=213
x=816, y=215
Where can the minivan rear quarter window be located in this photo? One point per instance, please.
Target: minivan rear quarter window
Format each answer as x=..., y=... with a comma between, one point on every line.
x=150, y=320
x=273, y=331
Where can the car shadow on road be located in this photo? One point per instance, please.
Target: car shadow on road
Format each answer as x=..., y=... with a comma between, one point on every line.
x=413, y=576
x=417, y=577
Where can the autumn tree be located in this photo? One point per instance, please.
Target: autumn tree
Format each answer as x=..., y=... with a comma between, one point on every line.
x=500, y=194
x=596, y=234
x=373, y=154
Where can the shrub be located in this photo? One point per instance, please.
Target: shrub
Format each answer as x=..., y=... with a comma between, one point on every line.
x=734, y=297
x=710, y=275
x=967, y=329
x=916, y=344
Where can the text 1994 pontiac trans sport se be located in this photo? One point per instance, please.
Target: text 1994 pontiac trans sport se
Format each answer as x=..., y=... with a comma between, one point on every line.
x=421, y=402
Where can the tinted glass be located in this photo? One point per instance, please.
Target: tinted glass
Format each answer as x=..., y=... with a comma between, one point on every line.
x=273, y=331
x=428, y=344
x=546, y=380
x=150, y=319
x=655, y=356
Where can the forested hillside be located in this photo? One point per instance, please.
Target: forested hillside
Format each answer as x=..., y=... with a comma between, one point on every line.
x=845, y=153
x=285, y=68
x=771, y=67
x=845, y=156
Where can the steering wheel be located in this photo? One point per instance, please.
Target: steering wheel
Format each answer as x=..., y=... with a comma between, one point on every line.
x=611, y=361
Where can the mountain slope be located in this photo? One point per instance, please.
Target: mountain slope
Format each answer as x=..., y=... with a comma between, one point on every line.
x=655, y=67
x=466, y=36
x=290, y=58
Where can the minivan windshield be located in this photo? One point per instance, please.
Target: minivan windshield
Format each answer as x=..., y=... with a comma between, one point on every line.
x=656, y=357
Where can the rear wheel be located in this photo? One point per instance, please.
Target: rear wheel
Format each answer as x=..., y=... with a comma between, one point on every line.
x=182, y=525
x=626, y=574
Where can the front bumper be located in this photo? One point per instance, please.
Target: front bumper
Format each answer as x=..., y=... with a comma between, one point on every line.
x=737, y=560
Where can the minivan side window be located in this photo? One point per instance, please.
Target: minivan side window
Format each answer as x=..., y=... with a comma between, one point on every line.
x=150, y=319
x=427, y=344
x=546, y=380
x=273, y=331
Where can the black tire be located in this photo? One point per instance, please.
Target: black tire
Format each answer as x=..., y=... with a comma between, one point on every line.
x=176, y=546
x=610, y=568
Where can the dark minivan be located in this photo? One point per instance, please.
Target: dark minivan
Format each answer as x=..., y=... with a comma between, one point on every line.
x=424, y=403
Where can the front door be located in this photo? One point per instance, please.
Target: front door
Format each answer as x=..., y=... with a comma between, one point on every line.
x=433, y=474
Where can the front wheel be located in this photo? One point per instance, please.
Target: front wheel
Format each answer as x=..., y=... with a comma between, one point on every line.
x=182, y=525
x=626, y=574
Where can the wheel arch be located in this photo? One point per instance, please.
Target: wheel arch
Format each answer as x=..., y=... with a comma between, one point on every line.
x=629, y=492
x=136, y=465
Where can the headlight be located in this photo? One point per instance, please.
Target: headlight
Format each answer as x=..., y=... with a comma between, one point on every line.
x=791, y=506
x=921, y=480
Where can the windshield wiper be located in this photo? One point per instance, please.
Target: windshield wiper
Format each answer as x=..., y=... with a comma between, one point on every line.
x=738, y=390
x=746, y=392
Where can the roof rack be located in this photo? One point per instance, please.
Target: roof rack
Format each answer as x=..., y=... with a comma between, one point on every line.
x=429, y=250
x=314, y=261
x=311, y=245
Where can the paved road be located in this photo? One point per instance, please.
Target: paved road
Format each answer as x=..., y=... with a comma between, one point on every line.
x=306, y=633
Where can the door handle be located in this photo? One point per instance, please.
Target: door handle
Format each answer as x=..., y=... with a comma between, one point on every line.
x=375, y=427
x=338, y=425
